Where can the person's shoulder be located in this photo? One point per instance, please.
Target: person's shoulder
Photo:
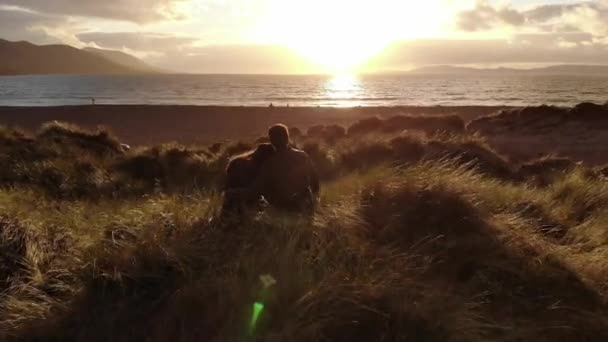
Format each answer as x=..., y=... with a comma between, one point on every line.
x=300, y=155
x=236, y=163
x=237, y=160
x=297, y=152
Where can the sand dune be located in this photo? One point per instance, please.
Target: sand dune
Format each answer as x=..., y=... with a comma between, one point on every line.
x=522, y=134
x=141, y=124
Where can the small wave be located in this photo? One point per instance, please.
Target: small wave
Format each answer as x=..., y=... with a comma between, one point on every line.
x=329, y=98
x=507, y=99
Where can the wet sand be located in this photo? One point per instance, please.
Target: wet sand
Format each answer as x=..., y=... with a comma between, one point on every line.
x=151, y=124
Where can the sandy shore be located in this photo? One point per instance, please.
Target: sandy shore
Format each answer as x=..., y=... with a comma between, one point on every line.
x=147, y=124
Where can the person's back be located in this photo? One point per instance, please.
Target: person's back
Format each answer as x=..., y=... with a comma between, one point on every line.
x=241, y=172
x=288, y=179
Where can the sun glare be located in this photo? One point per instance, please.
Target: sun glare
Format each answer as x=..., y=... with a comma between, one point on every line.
x=340, y=36
x=341, y=89
x=342, y=83
x=337, y=35
x=338, y=53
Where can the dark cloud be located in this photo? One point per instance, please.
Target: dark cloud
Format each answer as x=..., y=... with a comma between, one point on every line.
x=139, y=41
x=129, y=10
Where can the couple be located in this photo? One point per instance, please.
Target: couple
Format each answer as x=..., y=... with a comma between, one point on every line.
x=284, y=176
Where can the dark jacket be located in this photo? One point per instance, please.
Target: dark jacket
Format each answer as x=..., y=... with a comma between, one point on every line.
x=288, y=180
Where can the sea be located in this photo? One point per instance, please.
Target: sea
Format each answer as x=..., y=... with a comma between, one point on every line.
x=290, y=90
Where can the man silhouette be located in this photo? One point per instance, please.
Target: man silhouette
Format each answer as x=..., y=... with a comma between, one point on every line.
x=288, y=179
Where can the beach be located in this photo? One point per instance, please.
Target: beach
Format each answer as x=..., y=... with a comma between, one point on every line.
x=153, y=124
x=519, y=133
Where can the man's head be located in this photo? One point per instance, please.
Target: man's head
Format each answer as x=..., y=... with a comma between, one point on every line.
x=279, y=136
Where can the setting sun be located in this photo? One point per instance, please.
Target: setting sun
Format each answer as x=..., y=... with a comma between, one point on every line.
x=338, y=36
x=336, y=57
x=336, y=39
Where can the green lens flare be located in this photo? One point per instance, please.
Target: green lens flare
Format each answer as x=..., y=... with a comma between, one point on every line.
x=257, y=310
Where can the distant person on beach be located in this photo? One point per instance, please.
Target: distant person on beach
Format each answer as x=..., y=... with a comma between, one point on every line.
x=92, y=100
x=288, y=179
x=241, y=172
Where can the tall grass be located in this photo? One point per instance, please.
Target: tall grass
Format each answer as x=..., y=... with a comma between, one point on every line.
x=428, y=237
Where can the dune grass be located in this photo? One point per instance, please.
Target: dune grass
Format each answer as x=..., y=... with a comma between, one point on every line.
x=418, y=237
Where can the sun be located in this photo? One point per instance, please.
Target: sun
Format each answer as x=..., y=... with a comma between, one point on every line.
x=340, y=36
x=336, y=51
x=337, y=35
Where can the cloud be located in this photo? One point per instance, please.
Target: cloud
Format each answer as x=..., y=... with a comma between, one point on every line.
x=548, y=34
x=145, y=45
x=566, y=44
x=591, y=18
x=546, y=12
x=522, y=49
x=139, y=11
x=583, y=16
x=555, y=33
x=23, y=25
x=143, y=41
x=186, y=54
x=485, y=16
x=256, y=59
x=547, y=39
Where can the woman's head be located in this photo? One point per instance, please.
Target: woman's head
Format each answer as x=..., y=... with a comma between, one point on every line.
x=262, y=153
x=242, y=169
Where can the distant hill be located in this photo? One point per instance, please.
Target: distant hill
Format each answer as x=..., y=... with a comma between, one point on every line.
x=123, y=59
x=565, y=69
x=576, y=69
x=22, y=58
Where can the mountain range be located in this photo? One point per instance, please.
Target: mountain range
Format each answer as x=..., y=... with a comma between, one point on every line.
x=22, y=58
x=564, y=69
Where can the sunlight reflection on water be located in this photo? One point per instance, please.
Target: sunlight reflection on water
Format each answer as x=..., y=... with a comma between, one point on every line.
x=342, y=87
x=341, y=90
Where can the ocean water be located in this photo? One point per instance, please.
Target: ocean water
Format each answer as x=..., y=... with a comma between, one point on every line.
x=341, y=90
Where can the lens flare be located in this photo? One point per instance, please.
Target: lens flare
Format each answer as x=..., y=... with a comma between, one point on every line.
x=255, y=315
